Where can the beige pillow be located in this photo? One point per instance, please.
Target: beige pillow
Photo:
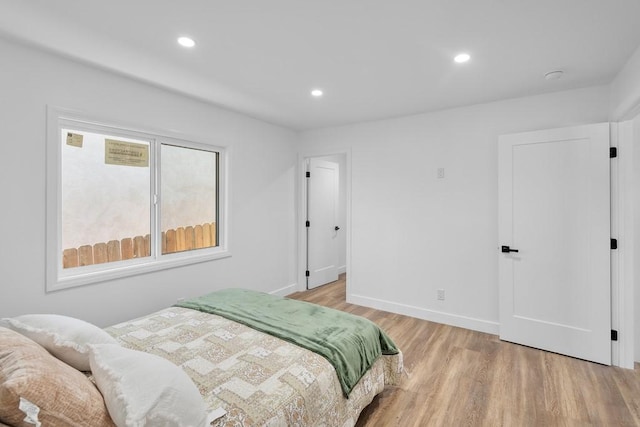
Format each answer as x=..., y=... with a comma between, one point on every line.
x=64, y=395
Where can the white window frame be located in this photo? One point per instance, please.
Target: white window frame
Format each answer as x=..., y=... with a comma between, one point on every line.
x=58, y=278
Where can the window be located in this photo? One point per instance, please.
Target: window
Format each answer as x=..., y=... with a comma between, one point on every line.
x=122, y=201
x=188, y=179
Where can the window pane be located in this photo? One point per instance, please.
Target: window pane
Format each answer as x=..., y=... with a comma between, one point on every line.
x=189, y=200
x=105, y=198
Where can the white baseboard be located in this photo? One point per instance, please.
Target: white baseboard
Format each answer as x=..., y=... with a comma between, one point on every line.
x=479, y=325
x=287, y=290
x=342, y=269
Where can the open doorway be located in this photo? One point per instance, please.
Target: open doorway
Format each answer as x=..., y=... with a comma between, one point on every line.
x=323, y=249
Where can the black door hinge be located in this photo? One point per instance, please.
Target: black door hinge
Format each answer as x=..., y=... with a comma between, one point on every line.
x=614, y=335
x=613, y=152
x=306, y=273
x=307, y=224
x=614, y=243
x=308, y=175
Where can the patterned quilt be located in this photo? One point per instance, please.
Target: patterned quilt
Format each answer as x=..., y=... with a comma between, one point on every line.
x=258, y=379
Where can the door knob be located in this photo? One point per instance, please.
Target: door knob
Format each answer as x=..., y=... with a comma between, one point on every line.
x=507, y=249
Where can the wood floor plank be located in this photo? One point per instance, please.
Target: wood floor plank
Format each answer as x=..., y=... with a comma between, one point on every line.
x=458, y=377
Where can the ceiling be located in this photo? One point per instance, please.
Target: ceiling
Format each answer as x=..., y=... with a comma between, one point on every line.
x=373, y=59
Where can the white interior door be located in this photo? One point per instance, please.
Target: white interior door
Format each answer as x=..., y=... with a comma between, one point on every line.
x=322, y=210
x=554, y=211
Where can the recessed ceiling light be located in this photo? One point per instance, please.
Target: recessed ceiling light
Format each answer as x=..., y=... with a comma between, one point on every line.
x=186, y=42
x=462, y=57
x=316, y=92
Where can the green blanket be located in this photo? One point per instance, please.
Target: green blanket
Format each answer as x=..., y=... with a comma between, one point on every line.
x=350, y=343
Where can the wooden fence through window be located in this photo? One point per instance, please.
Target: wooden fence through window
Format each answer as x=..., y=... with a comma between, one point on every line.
x=177, y=240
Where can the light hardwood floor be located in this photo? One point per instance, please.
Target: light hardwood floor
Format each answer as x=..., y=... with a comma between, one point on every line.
x=457, y=377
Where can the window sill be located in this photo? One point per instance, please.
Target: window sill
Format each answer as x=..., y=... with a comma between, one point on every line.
x=89, y=275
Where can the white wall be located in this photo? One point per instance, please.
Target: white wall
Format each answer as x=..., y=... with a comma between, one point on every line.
x=413, y=233
x=262, y=205
x=625, y=89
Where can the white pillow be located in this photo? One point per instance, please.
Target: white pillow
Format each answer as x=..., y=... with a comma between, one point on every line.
x=66, y=338
x=142, y=389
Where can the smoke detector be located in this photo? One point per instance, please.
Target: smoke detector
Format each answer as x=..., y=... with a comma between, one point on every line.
x=553, y=75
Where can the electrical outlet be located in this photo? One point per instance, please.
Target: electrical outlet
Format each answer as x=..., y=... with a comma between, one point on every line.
x=440, y=172
x=440, y=294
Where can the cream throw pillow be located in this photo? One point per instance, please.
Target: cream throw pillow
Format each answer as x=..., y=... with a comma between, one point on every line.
x=142, y=389
x=64, y=337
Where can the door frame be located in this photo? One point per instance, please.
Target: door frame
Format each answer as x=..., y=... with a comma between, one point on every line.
x=301, y=211
x=622, y=260
x=624, y=173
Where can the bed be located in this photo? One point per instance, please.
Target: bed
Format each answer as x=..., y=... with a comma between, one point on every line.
x=249, y=377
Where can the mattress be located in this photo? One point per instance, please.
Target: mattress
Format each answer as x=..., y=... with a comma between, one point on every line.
x=259, y=380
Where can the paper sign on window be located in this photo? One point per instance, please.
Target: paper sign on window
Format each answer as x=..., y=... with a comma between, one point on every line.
x=74, y=139
x=125, y=153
